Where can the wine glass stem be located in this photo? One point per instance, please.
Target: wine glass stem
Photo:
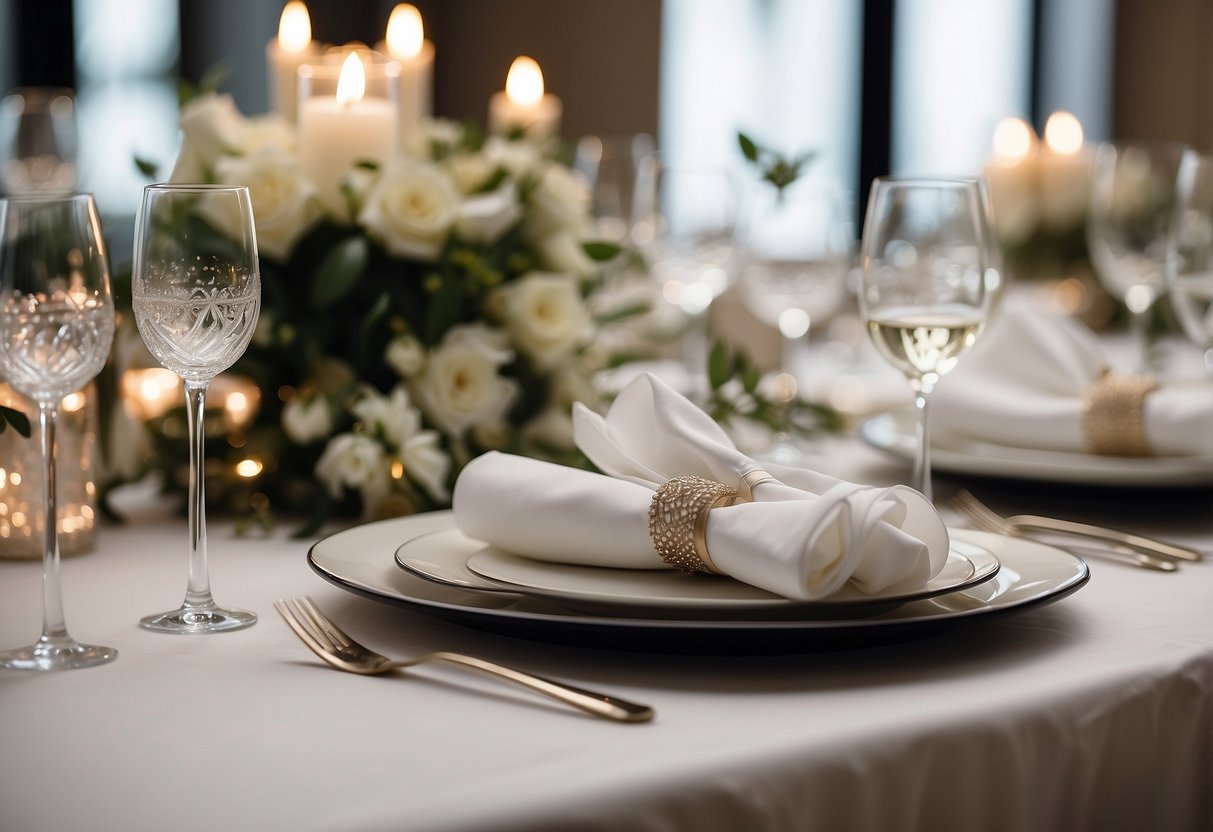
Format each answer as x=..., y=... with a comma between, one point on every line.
x=695, y=356
x=1139, y=323
x=54, y=628
x=198, y=591
x=922, y=461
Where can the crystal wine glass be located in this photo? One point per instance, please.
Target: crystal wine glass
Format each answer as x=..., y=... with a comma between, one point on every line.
x=1135, y=204
x=924, y=296
x=56, y=326
x=683, y=222
x=1191, y=289
x=196, y=290
x=38, y=141
x=797, y=254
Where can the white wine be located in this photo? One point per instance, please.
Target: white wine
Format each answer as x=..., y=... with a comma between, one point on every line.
x=925, y=341
x=54, y=347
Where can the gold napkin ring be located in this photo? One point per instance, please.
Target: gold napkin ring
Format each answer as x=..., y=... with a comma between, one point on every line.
x=749, y=481
x=1112, y=414
x=678, y=521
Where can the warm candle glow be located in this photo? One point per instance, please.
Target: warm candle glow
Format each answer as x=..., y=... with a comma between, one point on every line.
x=294, y=27
x=1013, y=141
x=524, y=83
x=72, y=402
x=405, y=32
x=1063, y=133
x=151, y=392
x=248, y=468
x=351, y=84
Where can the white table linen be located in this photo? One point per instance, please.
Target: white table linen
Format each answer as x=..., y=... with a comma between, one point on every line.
x=1093, y=713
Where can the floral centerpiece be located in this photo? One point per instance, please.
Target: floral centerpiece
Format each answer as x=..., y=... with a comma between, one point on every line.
x=457, y=306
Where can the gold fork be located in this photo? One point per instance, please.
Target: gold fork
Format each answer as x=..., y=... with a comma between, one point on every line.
x=1019, y=525
x=324, y=638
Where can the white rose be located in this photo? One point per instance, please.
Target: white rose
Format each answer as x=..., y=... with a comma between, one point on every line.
x=562, y=252
x=190, y=168
x=561, y=201
x=393, y=416
x=210, y=126
x=518, y=158
x=461, y=387
x=270, y=132
x=284, y=200
x=469, y=171
x=411, y=210
x=405, y=355
x=493, y=436
x=485, y=217
x=307, y=419
x=546, y=317
x=356, y=461
x=432, y=132
x=552, y=428
x=427, y=464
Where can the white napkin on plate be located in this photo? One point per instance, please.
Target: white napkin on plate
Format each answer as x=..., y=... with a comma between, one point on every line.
x=802, y=538
x=1022, y=386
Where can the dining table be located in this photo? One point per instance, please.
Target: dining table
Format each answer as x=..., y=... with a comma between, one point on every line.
x=1092, y=712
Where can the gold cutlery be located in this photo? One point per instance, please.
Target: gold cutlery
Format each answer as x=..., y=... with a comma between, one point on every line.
x=1142, y=551
x=324, y=638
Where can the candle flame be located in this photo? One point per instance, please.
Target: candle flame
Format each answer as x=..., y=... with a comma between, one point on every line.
x=1013, y=141
x=524, y=83
x=405, y=32
x=249, y=468
x=351, y=84
x=1063, y=133
x=294, y=27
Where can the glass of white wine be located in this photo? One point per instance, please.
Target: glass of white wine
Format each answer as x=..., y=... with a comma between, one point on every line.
x=56, y=327
x=926, y=283
x=196, y=292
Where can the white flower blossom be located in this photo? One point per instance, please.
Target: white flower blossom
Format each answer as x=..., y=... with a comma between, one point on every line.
x=552, y=428
x=411, y=209
x=561, y=251
x=427, y=464
x=546, y=317
x=284, y=200
x=211, y=125
x=485, y=217
x=354, y=460
x=305, y=420
x=469, y=171
x=405, y=355
x=560, y=202
x=461, y=386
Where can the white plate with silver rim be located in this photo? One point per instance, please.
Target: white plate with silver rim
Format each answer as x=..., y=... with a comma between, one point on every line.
x=361, y=560
x=894, y=433
x=450, y=557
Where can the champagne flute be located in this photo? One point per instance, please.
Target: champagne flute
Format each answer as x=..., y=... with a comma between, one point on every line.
x=1191, y=282
x=56, y=327
x=683, y=222
x=924, y=295
x=1131, y=227
x=196, y=290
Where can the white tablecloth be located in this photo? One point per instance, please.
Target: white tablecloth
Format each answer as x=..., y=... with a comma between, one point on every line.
x=1093, y=713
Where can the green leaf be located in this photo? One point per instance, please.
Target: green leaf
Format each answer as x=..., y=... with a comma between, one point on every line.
x=748, y=148
x=367, y=164
x=186, y=92
x=19, y=421
x=602, y=251
x=446, y=306
x=720, y=365
x=213, y=78
x=148, y=169
x=378, y=309
x=340, y=270
x=624, y=312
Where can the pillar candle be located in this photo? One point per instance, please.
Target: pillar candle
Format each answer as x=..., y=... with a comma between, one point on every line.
x=283, y=57
x=524, y=105
x=405, y=43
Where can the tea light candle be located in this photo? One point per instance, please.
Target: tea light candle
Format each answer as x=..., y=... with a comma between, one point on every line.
x=524, y=105
x=405, y=43
x=1011, y=176
x=284, y=55
x=1066, y=165
x=337, y=131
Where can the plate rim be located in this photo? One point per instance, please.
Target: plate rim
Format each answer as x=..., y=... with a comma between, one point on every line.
x=587, y=624
x=1063, y=466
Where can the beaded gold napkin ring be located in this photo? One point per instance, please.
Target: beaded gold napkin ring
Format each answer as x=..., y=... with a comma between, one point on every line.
x=1112, y=414
x=678, y=517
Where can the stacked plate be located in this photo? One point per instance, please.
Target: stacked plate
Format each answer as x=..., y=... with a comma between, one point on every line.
x=425, y=563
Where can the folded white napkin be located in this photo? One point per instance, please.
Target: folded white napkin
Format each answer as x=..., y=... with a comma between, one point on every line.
x=802, y=538
x=1022, y=386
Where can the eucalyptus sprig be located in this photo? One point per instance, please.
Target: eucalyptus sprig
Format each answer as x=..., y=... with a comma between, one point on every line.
x=776, y=168
x=735, y=393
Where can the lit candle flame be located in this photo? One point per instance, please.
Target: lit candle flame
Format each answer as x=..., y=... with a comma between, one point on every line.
x=351, y=84
x=294, y=27
x=1063, y=133
x=249, y=468
x=524, y=83
x=1013, y=141
x=405, y=32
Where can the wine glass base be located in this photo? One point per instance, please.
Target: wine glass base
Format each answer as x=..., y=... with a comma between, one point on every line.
x=46, y=656
x=189, y=620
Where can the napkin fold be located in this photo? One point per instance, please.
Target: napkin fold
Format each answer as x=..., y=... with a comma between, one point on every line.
x=1023, y=384
x=803, y=537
